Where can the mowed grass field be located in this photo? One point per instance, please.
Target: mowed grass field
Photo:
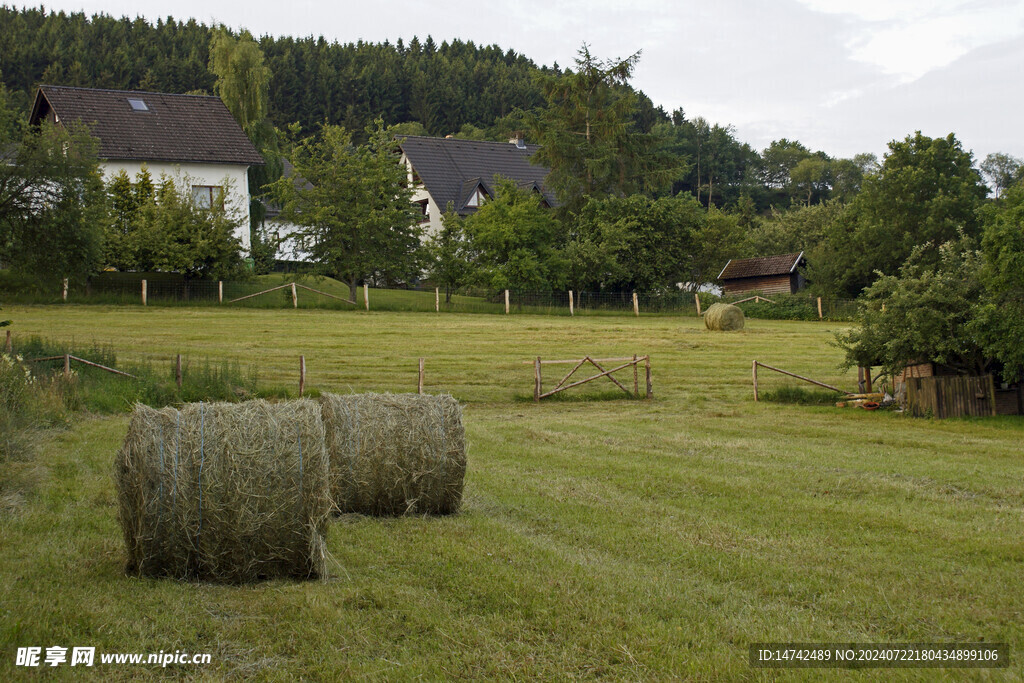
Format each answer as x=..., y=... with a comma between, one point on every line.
x=599, y=538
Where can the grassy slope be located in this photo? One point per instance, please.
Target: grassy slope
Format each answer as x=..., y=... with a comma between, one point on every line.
x=609, y=538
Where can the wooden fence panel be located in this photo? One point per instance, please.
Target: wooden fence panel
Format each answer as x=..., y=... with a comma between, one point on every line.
x=955, y=396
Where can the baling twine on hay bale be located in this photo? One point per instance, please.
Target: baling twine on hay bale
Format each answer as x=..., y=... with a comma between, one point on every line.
x=225, y=492
x=724, y=317
x=395, y=454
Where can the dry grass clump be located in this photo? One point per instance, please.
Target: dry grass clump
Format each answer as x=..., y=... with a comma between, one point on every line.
x=230, y=492
x=395, y=454
x=724, y=318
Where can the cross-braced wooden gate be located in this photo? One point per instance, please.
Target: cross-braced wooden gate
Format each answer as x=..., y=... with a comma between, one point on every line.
x=539, y=393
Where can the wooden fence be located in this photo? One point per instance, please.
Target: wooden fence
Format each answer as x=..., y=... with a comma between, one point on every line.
x=951, y=396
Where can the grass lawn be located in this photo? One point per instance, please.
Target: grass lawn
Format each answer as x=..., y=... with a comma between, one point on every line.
x=599, y=539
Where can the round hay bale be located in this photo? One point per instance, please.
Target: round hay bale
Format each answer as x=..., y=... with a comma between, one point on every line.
x=395, y=454
x=724, y=318
x=225, y=492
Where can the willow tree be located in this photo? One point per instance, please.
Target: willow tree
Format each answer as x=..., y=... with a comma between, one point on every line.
x=243, y=84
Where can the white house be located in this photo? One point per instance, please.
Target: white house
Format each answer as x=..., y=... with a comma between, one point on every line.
x=186, y=137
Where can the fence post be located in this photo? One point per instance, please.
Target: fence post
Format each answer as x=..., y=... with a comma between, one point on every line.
x=220, y=291
x=506, y=302
x=8, y=346
x=437, y=299
x=67, y=366
x=571, y=312
x=636, y=378
x=302, y=375
x=295, y=297
x=366, y=295
x=144, y=293
x=177, y=371
x=64, y=294
x=753, y=371
x=696, y=298
x=650, y=384
x=536, y=380
x=636, y=305
x=419, y=385
x=820, y=316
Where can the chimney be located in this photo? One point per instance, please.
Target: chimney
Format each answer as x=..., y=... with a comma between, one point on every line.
x=518, y=140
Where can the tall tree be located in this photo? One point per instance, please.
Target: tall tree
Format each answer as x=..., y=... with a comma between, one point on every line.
x=52, y=204
x=453, y=262
x=125, y=202
x=354, y=209
x=1002, y=171
x=243, y=83
x=588, y=136
x=778, y=161
x=639, y=243
x=808, y=177
x=243, y=79
x=1001, y=325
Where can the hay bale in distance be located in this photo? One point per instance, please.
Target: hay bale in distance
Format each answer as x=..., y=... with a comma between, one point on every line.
x=225, y=492
x=724, y=317
x=395, y=454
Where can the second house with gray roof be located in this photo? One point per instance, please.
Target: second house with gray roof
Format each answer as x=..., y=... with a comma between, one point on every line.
x=461, y=173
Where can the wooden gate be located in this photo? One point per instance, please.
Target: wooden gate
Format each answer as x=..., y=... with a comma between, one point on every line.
x=951, y=396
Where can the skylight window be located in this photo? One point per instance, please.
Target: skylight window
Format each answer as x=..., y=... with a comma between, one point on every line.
x=138, y=105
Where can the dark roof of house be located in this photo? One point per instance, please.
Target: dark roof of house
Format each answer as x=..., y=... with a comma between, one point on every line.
x=451, y=169
x=175, y=128
x=783, y=264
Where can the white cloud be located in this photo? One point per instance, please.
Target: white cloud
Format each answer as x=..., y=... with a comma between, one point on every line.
x=909, y=38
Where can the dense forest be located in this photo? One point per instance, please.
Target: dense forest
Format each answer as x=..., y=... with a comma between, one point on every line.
x=444, y=86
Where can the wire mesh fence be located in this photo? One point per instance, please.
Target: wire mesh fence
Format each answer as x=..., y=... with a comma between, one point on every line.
x=323, y=293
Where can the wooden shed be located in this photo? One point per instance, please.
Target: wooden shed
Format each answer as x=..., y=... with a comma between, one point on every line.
x=947, y=393
x=767, y=274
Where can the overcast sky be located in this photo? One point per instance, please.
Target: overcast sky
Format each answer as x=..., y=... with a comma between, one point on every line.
x=843, y=76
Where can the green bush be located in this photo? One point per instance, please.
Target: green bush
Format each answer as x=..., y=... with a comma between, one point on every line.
x=28, y=403
x=800, y=396
x=95, y=390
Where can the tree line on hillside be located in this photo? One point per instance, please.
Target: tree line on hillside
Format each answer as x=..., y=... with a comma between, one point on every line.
x=444, y=87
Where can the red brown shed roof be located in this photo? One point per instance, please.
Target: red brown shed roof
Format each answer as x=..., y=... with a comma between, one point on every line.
x=782, y=264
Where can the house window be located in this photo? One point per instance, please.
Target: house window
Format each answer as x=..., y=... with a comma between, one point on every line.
x=477, y=197
x=208, y=196
x=424, y=205
x=138, y=105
